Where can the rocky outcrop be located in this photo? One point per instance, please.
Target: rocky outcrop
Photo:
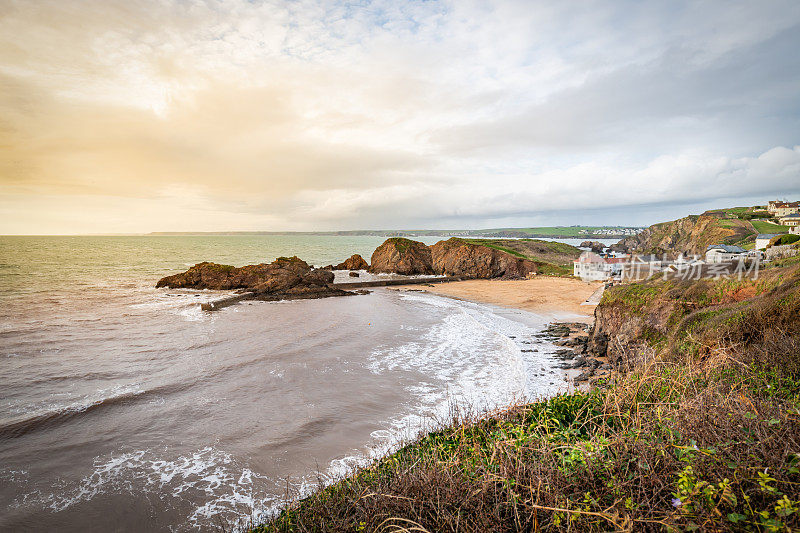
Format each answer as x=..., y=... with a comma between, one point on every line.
x=354, y=262
x=595, y=246
x=456, y=257
x=401, y=256
x=284, y=278
x=689, y=235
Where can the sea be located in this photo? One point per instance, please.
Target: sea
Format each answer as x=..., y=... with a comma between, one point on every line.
x=127, y=408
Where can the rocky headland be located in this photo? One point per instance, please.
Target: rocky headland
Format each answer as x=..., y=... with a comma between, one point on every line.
x=457, y=257
x=689, y=235
x=284, y=278
x=398, y=255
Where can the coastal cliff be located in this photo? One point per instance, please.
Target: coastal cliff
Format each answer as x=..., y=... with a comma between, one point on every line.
x=475, y=258
x=457, y=257
x=672, y=316
x=284, y=278
x=689, y=235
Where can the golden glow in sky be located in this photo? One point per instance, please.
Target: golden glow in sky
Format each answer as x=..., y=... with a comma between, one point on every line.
x=137, y=116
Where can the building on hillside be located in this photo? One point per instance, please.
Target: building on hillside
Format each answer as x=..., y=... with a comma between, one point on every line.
x=722, y=253
x=594, y=267
x=762, y=240
x=788, y=208
x=779, y=208
x=790, y=220
x=795, y=230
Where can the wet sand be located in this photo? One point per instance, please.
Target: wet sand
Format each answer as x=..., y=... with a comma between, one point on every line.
x=542, y=294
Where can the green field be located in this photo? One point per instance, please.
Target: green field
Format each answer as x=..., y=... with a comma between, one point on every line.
x=762, y=226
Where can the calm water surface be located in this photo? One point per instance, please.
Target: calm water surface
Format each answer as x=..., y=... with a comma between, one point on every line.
x=125, y=407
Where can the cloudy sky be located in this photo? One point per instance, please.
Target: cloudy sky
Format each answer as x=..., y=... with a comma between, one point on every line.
x=182, y=115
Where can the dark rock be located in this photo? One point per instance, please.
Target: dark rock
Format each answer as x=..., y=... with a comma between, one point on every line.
x=402, y=256
x=355, y=262
x=595, y=246
x=284, y=278
x=354, y=274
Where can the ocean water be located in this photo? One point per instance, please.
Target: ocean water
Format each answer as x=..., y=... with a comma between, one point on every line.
x=124, y=407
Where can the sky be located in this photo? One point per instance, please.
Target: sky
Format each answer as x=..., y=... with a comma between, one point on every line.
x=187, y=115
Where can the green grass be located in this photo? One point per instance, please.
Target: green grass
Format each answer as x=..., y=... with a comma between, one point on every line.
x=785, y=239
x=491, y=244
x=762, y=226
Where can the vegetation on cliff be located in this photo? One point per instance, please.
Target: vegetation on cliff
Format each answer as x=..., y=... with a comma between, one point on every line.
x=691, y=235
x=554, y=258
x=699, y=429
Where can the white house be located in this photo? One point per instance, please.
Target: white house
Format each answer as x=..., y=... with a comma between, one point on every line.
x=790, y=220
x=781, y=209
x=722, y=253
x=795, y=230
x=593, y=267
x=762, y=240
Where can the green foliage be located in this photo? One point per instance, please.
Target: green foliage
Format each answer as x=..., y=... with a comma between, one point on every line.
x=784, y=239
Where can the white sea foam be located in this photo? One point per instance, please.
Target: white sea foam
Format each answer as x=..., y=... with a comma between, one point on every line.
x=475, y=365
x=207, y=475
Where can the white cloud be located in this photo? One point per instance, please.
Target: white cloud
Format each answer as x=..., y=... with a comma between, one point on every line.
x=323, y=114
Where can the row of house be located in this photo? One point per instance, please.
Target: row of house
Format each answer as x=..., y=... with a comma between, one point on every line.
x=780, y=209
x=591, y=266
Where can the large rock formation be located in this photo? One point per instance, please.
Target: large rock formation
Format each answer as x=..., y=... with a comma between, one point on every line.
x=456, y=257
x=401, y=256
x=284, y=278
x=355, y=262
x=689, y=235
x=595, y=246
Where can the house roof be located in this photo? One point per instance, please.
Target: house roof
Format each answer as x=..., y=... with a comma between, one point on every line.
x=768, y=235
x=793, y=215
x=591, y=257
x=726, y=248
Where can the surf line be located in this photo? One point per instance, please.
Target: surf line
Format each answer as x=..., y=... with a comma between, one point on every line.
x=236, y=298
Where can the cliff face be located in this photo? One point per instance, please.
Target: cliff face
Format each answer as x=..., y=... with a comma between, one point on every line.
x=638, y=320
x=401, y=256
x=286, y=277
x=689, y=235
x=456, y=257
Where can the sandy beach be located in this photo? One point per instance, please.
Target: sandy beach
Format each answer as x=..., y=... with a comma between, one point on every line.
x=540, y=294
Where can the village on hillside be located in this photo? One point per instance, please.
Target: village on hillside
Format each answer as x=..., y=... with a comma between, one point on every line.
x=720, y=259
